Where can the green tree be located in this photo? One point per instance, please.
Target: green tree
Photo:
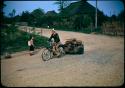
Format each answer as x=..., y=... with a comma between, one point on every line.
x=38, y=13
x=37, y=16
x=120, y=16
x=2, y=13
x=17, y=18
x=12, y=14
x=81, y=22
x=8, y=35
x=26, y=17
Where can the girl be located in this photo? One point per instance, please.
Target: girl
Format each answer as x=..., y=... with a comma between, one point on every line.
x=31, y=45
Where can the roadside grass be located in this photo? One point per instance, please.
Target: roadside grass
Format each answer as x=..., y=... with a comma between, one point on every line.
x=20, y=42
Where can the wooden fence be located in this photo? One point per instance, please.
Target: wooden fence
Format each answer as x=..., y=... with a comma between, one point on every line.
x=114, y=28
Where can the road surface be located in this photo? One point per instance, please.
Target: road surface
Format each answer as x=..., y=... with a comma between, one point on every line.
x=102, y=64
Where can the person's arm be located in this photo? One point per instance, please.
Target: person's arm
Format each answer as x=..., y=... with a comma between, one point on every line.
x=58, y=39
x=50, y=37
x=32, y=43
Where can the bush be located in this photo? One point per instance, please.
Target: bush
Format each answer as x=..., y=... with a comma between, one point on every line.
x=98, y=30
x=19, y=43
x=40, y=41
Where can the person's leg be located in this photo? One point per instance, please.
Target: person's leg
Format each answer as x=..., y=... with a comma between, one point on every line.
x=57, y=46
x=31, y=50
x=53, y=48
x=57, y=49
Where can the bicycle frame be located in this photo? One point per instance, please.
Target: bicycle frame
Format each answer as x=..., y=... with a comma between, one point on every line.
x=48, y=53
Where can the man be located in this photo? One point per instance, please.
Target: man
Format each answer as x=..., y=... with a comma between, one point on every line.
x=56, y=38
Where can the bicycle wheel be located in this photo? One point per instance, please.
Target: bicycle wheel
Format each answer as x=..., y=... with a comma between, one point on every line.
x=46, y=55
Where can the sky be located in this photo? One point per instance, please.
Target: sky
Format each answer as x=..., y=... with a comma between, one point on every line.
x=108, y=7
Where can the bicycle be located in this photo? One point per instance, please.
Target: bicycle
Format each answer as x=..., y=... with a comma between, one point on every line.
x=48, y=52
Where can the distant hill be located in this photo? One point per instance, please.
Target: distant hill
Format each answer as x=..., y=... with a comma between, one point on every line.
x=82, y=7
x=75, y=8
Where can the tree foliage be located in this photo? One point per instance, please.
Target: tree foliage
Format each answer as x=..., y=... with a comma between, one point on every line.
x=25, y=16
x=12, y=14
x=120, y=17
x=75, y=16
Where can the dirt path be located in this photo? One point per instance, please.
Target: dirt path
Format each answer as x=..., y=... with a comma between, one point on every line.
x=102, y=64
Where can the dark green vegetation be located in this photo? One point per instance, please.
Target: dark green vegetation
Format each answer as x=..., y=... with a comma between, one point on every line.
x=14, y=40
x=78, y=16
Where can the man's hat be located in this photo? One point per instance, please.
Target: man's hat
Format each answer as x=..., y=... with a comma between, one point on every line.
x=53, y=29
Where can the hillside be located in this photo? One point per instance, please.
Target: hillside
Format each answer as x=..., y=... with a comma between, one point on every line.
x=84, y=8
x=80, y=8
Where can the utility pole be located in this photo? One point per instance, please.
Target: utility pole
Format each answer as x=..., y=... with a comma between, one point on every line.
x=96, y=16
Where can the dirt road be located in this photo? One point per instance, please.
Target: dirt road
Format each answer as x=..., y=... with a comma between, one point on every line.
x=102, y=64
